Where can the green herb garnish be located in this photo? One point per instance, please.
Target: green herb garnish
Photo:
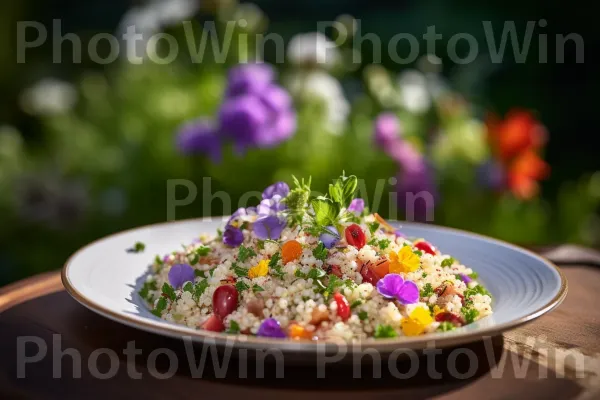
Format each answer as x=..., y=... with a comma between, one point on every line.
x=161, y=305
x=169, y=291
x=199, y=289
x=446, y=326
x=245, y=253
x=355, y=303
x=138, y=247
x=470, y=314
x=239, y=271
x=427, y=290
x=418, y=252
x=373, y=226
x=188, y=287
x=384, y=243
x=241, y=286
x=257, y=288
x=146, y=288
x=364, y=315
x=447, y=262
x=320, y=252
x=234, y=328
x=385, y=331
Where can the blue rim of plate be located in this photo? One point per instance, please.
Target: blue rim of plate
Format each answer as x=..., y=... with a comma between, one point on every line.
x=441, y=340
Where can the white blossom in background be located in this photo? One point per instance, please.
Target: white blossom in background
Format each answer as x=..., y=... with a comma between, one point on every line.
x=150, y=19
x=419, y=89
x=328, y=89
x=49, y=96
x=313, y=48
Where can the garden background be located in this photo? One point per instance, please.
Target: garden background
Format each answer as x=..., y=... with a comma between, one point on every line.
x=86, y=150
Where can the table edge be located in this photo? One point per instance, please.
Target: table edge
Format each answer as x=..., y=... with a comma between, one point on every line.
x=30, y=288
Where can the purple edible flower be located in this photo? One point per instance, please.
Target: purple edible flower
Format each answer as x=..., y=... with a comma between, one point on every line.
x=357, y=206
x=269, y=226
x=330, y=238
x=180, y=274
x=232, y=236
x=465, y=278
x=270, y=328
x=394, y=286
x=199, y=136
x=280, y=188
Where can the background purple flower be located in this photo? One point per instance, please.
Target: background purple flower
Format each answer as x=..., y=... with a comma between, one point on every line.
x=270, y=328
x=179, y=274
x=200, y=136
x=394, y=286
x=387, y=129
x=249, y=78
x=280, y=188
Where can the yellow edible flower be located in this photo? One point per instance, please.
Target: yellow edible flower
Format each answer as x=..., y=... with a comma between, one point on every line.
x=437, y=310
x=416, y=322
x=404, y=261
x=260, y=269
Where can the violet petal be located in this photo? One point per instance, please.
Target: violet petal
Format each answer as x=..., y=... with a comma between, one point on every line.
x=408, y=293
x=270, y=327
x=179, y=274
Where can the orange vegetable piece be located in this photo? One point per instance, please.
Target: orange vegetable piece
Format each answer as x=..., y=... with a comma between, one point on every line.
x=290, y=251
x=384, y=224
x=296, y=331
x=381, y=268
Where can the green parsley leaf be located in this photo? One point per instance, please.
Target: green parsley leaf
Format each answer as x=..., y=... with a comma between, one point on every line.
x=316, y=273
x=241, y=286
x=245, y=253
x=349, y=185
x=427, y=290
x=188, y=287
x=470, y=314
x=385, y=331
x=446, y=326
x=199, y=289
x=261, y=244
x=373, y=226
x=169, y=291
x=211, y=271
x=363, y=315
x=239, y=271
x=274, y=268
x=146, y=288
x=138, y=247
x=275, y=260
x=203, y=251
x=320, y=252
x=372, y=242
x=200, y=273
x=300, y=274
x=447, y=262
x=418, y=252
x=161, y=305
x=234, y=328
x=479, y=289
x=424, y=274
x=158, y=260
x=355, y=303
x=326, y=211
x=384, y=243
x=257, y=288
x=474, y=275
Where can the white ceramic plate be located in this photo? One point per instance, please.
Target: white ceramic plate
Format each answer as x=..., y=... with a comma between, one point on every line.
x=105, y=278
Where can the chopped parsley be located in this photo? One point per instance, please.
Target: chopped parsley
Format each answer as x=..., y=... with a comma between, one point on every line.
x=138, y=247
x=158, y=260
x=470, y=314
x=363, y=315
x=194, y=256
x=144, y=291
x=274, y=266
x=188, y=287
x=257, y=288
x=234, y=328
x=424, y=274
x=168, y=291
x=240, y=286
x=446, y=326
x=474, y=275
x=385, y=331
x=355, y=303
x=447, y=262
x=239, y=271
x=373, y=226
x=202, y=274
x=261, y=244
x=384, y=243
x=245, y=253
x=161, y=305
x=199, y=289
x=479, y=289
x=316, y=273
x=320, y=252
x=427, y=290
x=418, y=252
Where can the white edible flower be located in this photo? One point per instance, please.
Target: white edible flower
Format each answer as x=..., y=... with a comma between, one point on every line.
x=328, y=89
x=313, y=48
x=48, y=97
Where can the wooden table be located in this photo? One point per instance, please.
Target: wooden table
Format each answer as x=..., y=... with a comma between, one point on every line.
x=556, y=356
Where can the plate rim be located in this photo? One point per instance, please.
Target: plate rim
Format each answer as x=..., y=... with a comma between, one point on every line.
x=242, y=341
